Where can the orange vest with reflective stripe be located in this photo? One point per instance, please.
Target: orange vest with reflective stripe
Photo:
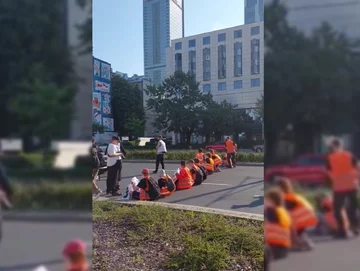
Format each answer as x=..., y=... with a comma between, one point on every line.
x=342, y=172
x=278, y=234
x=217, y=159
x=200, y=156
x=164, y=190
x=303, y=214
x=209, y=164
x=230, y=146
x=185, y=183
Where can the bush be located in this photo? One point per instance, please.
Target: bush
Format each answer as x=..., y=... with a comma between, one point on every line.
x=53, y=196
x=186, y=155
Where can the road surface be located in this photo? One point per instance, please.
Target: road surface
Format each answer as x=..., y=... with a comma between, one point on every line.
x=237, y=189
x=27, y=245
x=329, y=254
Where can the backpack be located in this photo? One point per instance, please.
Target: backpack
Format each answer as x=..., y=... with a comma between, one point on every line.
x=153, y=189
x=170, y=184
x=204, y=172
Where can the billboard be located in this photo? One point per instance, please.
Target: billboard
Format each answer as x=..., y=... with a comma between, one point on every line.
x=102, y=94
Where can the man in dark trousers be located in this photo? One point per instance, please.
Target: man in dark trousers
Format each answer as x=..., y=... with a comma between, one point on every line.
x=114, y=165
x=5, y=194
x=160, y=151
x=342, y=168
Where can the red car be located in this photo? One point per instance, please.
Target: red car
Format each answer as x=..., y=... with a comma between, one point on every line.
x=217, y=146
x=305, y=169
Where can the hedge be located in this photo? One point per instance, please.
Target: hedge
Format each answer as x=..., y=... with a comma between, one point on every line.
x=53, y=196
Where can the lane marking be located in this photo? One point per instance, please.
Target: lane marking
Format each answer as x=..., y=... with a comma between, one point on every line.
x=219, y=184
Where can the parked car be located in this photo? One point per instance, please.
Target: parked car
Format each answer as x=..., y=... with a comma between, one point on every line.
x=305, y=169
x=217, y=146
x=258, y=148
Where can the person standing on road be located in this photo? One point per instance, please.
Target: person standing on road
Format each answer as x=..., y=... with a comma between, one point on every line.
x=6, y=193
x=343, y=173
x=95, y=169
x=114, y=164
x=160, y=151
x=118, y=175
x=230, y=151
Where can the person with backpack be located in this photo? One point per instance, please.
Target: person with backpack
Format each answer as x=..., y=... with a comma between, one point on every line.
x=149, y=189
x=96, y=164
x=166, y=184
x=201, y=167
x=196, y=172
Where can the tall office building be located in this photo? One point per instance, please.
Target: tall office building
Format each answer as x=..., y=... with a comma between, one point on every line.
x=163, y=22
x=254, y=11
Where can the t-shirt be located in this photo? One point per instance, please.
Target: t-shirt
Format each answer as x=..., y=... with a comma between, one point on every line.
x=112, y=150
x=161, y=147
x=153, y=187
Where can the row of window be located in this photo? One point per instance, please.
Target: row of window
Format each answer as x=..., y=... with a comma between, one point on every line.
x=222, y=60
x=238, y=84
x=221, y=37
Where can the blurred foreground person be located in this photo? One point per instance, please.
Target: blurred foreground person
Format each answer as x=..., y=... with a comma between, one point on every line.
x=277, y=224
x=74, y=254
x=342, y=169
x=301, y=212
x=5, y=194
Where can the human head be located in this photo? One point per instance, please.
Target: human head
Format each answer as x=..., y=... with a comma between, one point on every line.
x=182, y=163
x=335, y=144
x=208, y=155
x=191, y=162
x=200, y=150
x=227, y=138
x=162, y=172
x=159, y=138
x=196, y=160
x=275, y=196
x=115, y=140
x=285, y=185
x=145, y=172
x=211, y=151
x=74, y=253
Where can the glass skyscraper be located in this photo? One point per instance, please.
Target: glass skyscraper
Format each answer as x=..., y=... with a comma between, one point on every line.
x=254, y=11
x=163, y=21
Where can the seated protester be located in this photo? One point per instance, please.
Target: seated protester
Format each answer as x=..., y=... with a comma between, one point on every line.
x=166, y=184
x=277, y=224
x=75, y=256
x=225, y=161
x=149, y=189
x=217, y=160
x=200, y=155
x=196, y=172
x=301, y=212
x=201, y=167
x=131, y=188
x=184, y=179
x=209, y=164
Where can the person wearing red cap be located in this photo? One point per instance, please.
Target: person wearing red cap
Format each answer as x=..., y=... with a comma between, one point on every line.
x=149, y=189
x=74, y=254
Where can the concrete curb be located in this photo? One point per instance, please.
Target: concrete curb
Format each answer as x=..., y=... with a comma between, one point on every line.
x=191, y=208
x=48, y=216
x=133, y=161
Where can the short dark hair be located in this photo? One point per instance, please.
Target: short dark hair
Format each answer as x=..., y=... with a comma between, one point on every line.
x=190, y=161
x=196, y=160
x=182, y=163
x=115, y=138
x=336, y=142
x=159, y=136
x=200, y=150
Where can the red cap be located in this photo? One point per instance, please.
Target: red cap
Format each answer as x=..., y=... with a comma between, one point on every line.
x=145, y=171
x=75, y=246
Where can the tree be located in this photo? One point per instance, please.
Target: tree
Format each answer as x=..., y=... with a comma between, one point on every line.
x=178, y=103
x=260, y=107
x=127, y=106
x=135, y=126
x=97, y=128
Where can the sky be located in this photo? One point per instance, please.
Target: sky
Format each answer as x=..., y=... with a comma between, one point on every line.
x=118, y=28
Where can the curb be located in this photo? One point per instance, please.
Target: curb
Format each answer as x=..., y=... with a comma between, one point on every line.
x=136, y=161
x=251, y=216
x=48, y=216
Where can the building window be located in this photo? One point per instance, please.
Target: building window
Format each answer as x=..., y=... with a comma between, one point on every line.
x=237, y=59
x=255, y=82
x=255, y=56
x=221, y=86
x=237, y=34
x=221, y=37
x=206, y=64
x=222, y=61
x=207, y=88
x=192, y=62
x=255, y=30
x=178, y=46
x=238, y=84
x=206, y=40
x=178, y=62
x=192, y=43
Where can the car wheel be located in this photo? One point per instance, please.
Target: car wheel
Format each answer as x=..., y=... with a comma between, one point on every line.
x=258, y=150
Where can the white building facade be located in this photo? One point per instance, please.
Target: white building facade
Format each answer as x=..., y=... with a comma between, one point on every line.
x=163, y=21
x=229, y=63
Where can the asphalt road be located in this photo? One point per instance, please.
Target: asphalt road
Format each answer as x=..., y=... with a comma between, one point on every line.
x=237, y=189
x=26, y=245
x=329, y=254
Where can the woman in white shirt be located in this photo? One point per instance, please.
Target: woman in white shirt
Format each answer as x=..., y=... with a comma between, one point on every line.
x=114, y=165
x=160, y=151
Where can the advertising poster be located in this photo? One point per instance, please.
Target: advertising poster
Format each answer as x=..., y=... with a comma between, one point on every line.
x=102, y=94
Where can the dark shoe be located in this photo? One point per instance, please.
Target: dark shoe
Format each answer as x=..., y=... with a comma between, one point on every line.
x=115, y=194
x=155, y=171
x=117, y=187
x=340, y=235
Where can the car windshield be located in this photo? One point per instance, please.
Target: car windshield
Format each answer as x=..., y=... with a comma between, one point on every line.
x=310, y=161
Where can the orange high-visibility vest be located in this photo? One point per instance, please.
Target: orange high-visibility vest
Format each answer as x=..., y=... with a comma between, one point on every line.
x=217, y=159
x=209, y=164
x=303, y=214
x=200, y=156
x=342, y=172
x=279, y=234
x=164, y=190
x=230, y=146
x=144, y=192
x=185, y=183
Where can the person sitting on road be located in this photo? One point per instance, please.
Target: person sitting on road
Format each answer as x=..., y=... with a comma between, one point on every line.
x=184, y=179
x=202, y=168
x=74, y=254
x=132, y=190
x=209, y=163
x=277, y=224
x=217, y=160
x=166, y=184
x=149, y=189
x=196, y=172
x=302, y=214
x=200, y=155
x=225, y=161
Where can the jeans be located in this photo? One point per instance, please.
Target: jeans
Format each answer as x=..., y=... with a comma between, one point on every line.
x=340, y=199
x=112, y=176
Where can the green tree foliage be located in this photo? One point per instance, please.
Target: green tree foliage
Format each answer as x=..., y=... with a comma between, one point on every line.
x=260, y=107
x=127, y=107
x=309, y=80
x=33, y=53
x=97, y=128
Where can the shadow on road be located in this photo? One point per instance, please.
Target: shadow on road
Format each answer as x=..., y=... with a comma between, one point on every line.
x=258, y=202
